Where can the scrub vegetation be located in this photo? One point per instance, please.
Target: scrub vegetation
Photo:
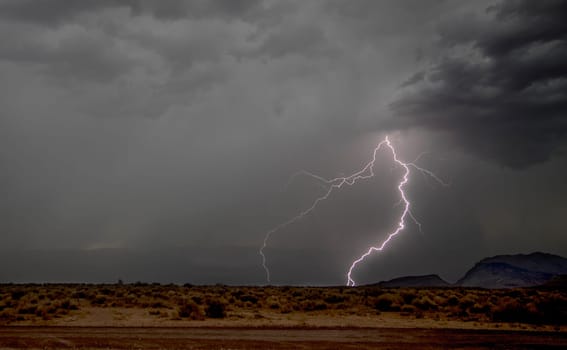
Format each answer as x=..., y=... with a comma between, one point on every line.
x=37, y=302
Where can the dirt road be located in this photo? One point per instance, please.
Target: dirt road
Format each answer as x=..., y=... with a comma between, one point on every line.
x=294, y=338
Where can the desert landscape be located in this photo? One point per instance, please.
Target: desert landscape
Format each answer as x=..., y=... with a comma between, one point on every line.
x=143, y=315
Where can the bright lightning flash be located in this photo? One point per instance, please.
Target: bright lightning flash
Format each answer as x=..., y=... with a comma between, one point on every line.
x=365, y=173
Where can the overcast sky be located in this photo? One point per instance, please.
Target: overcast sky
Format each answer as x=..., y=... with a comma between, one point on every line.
x=153, y=140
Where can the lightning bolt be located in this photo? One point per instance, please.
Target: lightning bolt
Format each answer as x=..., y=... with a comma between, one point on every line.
x=365, y=173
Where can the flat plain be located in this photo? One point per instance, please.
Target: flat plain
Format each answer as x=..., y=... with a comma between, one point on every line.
x=152, y=316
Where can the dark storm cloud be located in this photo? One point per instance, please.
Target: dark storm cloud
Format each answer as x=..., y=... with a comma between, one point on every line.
x=501, y=87
x=106, y=49
x=152, y=139
x=226, y=9
x=140, y=62
x=52, y=12
x=140, y=58
x=307, y=41
x=78, y=54
x=372, y=21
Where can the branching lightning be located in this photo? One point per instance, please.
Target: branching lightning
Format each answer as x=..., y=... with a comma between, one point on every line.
x=365, y=173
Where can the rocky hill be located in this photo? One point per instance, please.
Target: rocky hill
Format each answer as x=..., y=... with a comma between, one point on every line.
x=501, y=271
x=415, y=281
x=520, y=270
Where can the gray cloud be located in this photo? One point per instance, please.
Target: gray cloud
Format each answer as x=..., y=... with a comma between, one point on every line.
x=115, y=63
x=52, y=12
x=307, y=41
x=74, y=53
x=499, y=89
x=159, y=136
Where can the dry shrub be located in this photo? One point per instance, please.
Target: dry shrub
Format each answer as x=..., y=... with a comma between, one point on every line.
x=320, y=306
x=248, y=298
x=467, y=301
x=297, y=293
x=310, y=305
x=106, y=291
x=553, y=310
x=79, y=295
x=408, y=296
x=545, y=306
x=215, y=309
x=27, y=310
x=8, y=315
x=68, y=305
x=99, y=300
x=286, y=308
x=425, y=303
x=190, y=310
x=389, y=302
x=156, y=304
x=373, y=291
x=481, y=308
x=273, y=303
x=453, y=300
x=42, y=311
x=511, y=310
x=335, y=299
x=408, y=309
x=439, y=300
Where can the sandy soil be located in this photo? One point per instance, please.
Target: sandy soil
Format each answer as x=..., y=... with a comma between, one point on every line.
x=127, y=328
x=132, y=317
x=49, y=337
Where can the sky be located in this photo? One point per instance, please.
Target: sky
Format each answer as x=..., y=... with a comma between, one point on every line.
x=154, y=140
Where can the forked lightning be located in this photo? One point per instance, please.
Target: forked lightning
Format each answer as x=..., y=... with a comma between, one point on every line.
x=365, y=173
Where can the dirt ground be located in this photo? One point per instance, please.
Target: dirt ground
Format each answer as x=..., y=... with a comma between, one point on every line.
x=63, y=337
x=127, y=328
x=142, y=316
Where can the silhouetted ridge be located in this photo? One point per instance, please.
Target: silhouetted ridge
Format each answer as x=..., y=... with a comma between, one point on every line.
x=415, y=281
x=520, y=270
x=501, y=271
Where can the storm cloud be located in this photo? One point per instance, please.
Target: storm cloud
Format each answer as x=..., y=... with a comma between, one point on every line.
x=499, y=87
x=153, y=140
x=60, y=11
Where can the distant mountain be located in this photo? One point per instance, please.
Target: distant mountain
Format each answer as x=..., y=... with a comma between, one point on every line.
x=415, y=281
x=521, y=270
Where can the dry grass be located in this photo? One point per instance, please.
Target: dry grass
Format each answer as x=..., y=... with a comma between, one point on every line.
x=174, y=302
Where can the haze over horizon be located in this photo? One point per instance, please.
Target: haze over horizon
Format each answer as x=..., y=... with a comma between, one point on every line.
x=153, y=141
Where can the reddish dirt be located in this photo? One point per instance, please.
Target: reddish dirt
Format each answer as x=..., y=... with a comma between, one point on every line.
x=57, y=337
